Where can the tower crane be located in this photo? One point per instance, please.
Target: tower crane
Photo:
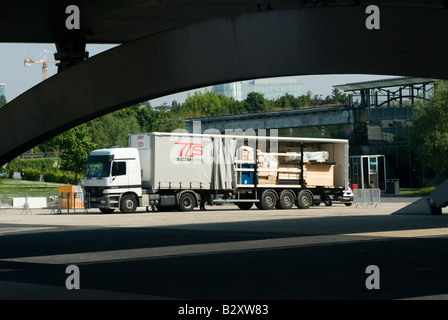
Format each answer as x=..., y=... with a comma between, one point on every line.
x=44, y=61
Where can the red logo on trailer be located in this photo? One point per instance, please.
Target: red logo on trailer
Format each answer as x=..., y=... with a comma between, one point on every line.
x=190, y=150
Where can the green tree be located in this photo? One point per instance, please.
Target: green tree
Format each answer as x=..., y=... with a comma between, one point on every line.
x=2, y=101
x=255, y=102
x=77, y=145
x=202, y=104
x=304, y=100
x=236, y=107
x=287, y=101
x=113, y=129
x=51, y=145
x=429, y=133
x=146, y=117
x=337, y=96
x=167, y=120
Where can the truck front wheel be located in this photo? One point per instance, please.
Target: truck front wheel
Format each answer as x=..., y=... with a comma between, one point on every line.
x=128, y=204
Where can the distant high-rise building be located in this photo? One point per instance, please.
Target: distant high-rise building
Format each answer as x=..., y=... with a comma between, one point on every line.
x=231, y=90
x=272, y=88
x=2, y=89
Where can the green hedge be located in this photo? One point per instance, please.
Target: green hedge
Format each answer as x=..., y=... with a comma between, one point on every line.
x=34, y=168
x=49, y=176
x=32, y=174
x=59, y=177
x=42, y=165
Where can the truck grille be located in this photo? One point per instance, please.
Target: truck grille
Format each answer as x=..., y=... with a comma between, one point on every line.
x=94, y=191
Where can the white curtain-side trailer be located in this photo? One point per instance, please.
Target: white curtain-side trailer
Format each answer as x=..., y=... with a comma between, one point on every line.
x=182, y=170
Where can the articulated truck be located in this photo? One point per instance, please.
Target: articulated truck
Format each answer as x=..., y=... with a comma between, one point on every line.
x=180, y=170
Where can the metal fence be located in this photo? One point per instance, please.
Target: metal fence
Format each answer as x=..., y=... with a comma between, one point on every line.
x=367, y=197
x=70, y=202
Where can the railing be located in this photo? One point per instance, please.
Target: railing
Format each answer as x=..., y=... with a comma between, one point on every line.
x=367, y=197
x=57, y=202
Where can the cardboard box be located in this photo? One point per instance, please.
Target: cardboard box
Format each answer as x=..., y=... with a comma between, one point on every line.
x=289, y=169
x=293, y=176
x=319, y=175
x=267, y=180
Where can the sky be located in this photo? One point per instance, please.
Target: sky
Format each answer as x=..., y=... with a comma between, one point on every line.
x=19, y=78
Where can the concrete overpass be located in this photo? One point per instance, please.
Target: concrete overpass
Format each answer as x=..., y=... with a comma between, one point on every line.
x=170, y=46
x=309, y=117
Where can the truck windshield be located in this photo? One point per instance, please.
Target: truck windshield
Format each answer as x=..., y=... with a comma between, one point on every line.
x=97, y=169
x=98, y=166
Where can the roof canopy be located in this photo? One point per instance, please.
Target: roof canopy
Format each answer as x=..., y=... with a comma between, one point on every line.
x=393, y=82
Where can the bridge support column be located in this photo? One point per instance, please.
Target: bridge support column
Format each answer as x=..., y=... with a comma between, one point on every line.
x=431, y=204
x=70, y=52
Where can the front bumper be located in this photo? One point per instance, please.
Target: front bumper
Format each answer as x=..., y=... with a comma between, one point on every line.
x=104, y=202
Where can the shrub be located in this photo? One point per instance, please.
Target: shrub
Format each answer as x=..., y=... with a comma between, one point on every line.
x=32, y=174
x=59, y=177
x=37, y=164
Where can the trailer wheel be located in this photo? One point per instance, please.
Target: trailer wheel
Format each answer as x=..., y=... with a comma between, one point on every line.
x=244, y=205
x=186, y=202
x=304, y=199
x=286, y=200
x=268, y=200
x=128, y=204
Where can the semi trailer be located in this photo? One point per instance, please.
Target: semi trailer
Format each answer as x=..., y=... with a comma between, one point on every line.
x=181, y=170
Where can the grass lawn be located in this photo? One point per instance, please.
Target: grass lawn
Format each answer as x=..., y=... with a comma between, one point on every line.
x=23, y=186
x=416, y=192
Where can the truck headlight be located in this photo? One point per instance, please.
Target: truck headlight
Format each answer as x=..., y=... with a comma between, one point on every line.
x=105, y=200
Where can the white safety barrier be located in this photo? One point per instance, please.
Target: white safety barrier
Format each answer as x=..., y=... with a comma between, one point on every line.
x=24, y=201
x=367, y=197
x=71, y=202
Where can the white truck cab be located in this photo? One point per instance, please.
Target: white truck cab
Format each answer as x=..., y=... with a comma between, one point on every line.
x=113, y=179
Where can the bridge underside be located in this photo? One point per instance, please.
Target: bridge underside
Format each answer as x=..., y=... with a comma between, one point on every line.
x=327, y=40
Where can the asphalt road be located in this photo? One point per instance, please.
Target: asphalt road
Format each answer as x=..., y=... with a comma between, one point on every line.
x=226, y=254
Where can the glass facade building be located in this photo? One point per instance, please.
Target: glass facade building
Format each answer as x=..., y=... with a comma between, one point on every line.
x=2, y=89
x=272, y=88
x=385, y=109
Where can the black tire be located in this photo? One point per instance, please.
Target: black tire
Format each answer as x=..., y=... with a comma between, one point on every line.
x=187, y=202
x=328, y=203
x=348, y=204
x=304, y=199
x=128, y=204
x=244, y=205
x=286, y=200
x=103, y=210
x=268, y=200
